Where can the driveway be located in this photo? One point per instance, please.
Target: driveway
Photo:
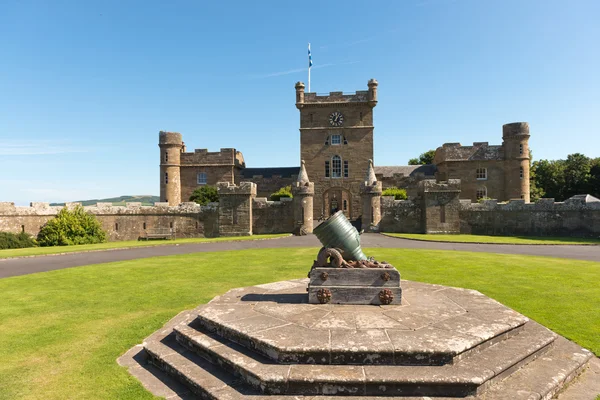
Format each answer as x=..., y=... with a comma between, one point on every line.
x=30, y=265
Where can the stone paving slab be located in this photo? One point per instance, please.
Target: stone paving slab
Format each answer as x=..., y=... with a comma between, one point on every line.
x=431, y=328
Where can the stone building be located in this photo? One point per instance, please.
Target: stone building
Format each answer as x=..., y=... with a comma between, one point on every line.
x=336, y=143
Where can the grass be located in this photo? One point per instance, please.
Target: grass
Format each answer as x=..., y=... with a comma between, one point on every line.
x=39, y=251
x=62, y=331
x=538, y=240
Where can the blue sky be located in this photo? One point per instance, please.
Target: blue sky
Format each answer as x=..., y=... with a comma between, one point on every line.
x=85, y=86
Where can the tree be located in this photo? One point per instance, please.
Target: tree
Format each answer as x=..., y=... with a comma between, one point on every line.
x=285, y=191
x=424, y=158
x=577, y=174
x=399, y=194
x=71, y=227
x=204, y=195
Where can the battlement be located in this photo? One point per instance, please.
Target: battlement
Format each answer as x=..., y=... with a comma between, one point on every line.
x=360, y=96
x=336, y=97
x=133, y=208
x=228, y=188
x=431, y=185
x=225, y=156
x=575, y=203
x=169, y=138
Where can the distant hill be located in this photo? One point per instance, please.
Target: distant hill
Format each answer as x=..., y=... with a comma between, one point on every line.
x=146, y=200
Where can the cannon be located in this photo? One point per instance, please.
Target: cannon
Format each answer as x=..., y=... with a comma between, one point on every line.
x=343, y=274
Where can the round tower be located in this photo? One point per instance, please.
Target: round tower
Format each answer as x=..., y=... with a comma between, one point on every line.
x=515, y=142
x=170, y=144
x=299, y=94
x=373, y=92
x=303, y=192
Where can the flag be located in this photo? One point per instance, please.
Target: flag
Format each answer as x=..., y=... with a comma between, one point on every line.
x=309, y=57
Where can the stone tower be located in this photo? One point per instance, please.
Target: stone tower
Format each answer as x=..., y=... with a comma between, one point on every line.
x=303, y=192
x=370, y=191
x=336, y=141
x=515, y=143
x=170, y=144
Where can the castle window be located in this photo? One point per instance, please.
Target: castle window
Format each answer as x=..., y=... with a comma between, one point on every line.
x=345, y=169
x=116, y=226
x=23, y=228
x=345, y=141
x=166, y=157
x=166, y=177
x=345, y=205
x=481, y=192
x=443, y=214
x=481, y=173
x=201, y=178
x=171, y=225
x=327, y=141
x=521, y=149
x=336, y=139
x=326, y=169
x=521, y=172
x=144, y=226
x=336, y=167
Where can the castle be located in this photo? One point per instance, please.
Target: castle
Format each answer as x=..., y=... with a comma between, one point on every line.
x=336, y=144
x=336, y=173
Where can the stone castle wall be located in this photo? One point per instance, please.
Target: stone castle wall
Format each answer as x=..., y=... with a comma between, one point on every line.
x=128, y=222
x=401, y=216
x=573, y=217
x=272, y=216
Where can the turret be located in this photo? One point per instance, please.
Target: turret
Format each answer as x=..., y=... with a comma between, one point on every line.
x=170, y=145
x=299, y=94
x=373, y=92
x=515, y=143
x=370, y=191
x=303, y=191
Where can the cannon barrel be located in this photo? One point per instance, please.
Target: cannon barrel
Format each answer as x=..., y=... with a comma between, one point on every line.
x=337, y=232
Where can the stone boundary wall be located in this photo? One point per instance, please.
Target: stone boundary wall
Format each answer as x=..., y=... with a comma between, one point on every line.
x=272, y=216
x=573, y=217
x=401, y=216
x=120, y=222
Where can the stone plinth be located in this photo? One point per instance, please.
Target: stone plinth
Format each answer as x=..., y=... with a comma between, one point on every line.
x=266, y=341
x=354, y=286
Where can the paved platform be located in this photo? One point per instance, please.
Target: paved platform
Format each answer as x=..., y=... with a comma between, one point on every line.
x=266, y=342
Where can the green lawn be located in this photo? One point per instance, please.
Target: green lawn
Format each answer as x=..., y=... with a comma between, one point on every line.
x=496, y=239
x=62, y=331
x=38, y=251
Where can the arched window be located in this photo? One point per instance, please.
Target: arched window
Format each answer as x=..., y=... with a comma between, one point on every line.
x=336, y=167
x=201, y=179
x=481, y=192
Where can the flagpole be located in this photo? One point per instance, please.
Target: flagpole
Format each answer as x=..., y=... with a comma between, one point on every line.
x=309, y=65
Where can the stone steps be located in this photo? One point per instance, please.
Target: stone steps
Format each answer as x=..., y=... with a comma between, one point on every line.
x=496, y=353
x=539, y=379
x=315, y=349
x=461, y=379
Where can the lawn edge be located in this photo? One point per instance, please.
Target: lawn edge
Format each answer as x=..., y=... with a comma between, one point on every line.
x=137, y=247
x=499, y=244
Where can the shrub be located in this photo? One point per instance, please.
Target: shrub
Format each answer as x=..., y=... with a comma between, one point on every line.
x=204, y=195
x=399, y=194
x=71, y=227
x=21, y=240
x=285, y=191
